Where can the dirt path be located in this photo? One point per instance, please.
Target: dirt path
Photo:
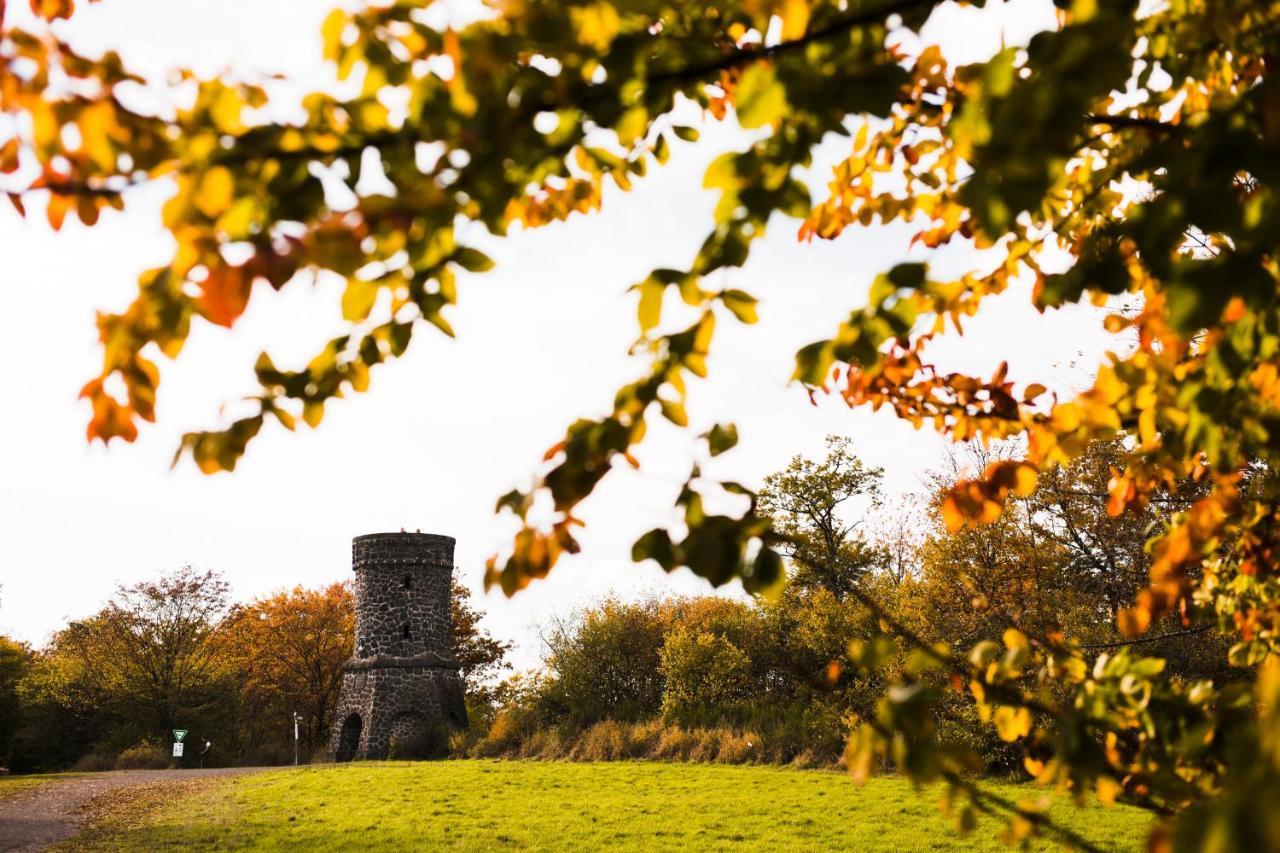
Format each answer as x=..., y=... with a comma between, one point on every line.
x=42, y=816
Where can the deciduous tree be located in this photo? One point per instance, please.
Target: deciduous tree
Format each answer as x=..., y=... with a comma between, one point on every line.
x=15, y=658
x=288, y=650
x=807, y=503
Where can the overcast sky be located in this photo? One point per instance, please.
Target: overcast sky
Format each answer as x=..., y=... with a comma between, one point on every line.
x=541, y=340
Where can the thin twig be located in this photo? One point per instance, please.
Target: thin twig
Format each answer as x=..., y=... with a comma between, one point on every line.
x=1140, y=640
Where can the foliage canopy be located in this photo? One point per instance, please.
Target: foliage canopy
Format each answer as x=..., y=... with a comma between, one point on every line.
x=1137, y=140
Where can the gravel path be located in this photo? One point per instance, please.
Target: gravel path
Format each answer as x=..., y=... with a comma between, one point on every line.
x=42, y=816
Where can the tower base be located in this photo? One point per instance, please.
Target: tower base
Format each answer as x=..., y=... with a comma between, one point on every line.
x=397, y=708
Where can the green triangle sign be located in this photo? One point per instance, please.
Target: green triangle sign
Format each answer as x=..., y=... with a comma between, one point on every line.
x=179, y=734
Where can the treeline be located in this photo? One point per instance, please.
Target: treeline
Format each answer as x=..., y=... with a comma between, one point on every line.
x=177, y=653
x=769, y=679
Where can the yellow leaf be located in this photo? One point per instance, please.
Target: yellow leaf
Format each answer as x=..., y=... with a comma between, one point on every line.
x=860, y=141
x=331, y=33
x=741, y=304
x=597, y=24
x=313, y=413
x=225, y=112
x=461, y=98
x=95, y=127
x=215, y=193
x=650, y=309
x=1108, y=788
x=238, y=221
x=1012, y=723
x=795, y=19
x=358, y=300
x=1015, y=639
x=674, y=412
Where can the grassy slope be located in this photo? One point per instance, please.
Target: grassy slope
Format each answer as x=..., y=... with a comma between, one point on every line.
x=10, y=785
x=486, y=805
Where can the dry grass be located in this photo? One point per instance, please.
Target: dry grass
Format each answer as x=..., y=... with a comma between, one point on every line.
x=653, y=740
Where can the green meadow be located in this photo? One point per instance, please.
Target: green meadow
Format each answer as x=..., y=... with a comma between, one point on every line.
x=526, y=805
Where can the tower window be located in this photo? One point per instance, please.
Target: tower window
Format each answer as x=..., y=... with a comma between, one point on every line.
x=406, y=631
x=408, y=581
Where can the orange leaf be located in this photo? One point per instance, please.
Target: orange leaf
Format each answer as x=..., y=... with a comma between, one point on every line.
x=951, y=515
x=225, y=293
x=1133, y=621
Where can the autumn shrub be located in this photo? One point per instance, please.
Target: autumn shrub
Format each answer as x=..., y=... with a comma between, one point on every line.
x=603, y=741
x=702, y=671
x=505, y=734
x=143, y=756
x=643, y=738
x=674, y=744
x=738, y=747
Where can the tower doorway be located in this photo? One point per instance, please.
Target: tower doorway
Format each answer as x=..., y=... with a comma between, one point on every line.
x=349, y=738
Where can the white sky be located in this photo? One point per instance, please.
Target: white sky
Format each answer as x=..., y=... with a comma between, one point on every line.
x=541, y=340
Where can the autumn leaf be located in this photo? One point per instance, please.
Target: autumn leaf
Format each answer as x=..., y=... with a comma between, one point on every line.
x=224, y=294
x=759, y=98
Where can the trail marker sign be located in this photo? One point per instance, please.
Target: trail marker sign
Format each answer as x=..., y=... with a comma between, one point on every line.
x=179, y=735
x=177, y=749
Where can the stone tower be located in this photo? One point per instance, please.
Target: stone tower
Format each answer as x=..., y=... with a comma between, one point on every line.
x=402, y=684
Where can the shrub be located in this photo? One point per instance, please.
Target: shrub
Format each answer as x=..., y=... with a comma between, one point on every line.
x=738, y=747
x=675, y=744
x=703, y=671
x=603, y=741
x=544, y=744
x=706, y=745
x=143, y=756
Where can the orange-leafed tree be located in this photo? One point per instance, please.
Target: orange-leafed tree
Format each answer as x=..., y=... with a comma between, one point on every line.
x=288, y=650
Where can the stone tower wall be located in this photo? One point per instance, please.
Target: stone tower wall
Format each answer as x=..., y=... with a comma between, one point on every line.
x=403, y=581
x=401, y=689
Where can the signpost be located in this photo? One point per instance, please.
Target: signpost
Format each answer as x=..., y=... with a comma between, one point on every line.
x=178, y=736
x=295, y=738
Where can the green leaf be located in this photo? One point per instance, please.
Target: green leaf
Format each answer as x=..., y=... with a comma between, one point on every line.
x=655, y=545
x=632, y=125
x=473, y=260
x=721, y=437
x=760, y=98
x=813, y=362
x=908, y=276
x=766, y=575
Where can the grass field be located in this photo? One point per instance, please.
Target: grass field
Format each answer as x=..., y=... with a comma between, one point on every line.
x=10, y=785
x=486, y=805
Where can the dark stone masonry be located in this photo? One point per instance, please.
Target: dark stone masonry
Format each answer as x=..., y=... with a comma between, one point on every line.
x=401, y=692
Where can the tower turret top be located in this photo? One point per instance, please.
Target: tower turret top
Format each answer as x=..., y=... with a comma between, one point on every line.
x=389, y=550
